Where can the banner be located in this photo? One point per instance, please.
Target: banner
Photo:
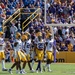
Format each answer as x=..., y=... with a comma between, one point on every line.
x=65, y=57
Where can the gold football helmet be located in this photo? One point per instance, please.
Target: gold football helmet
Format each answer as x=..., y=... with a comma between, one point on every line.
x=1, y=33
x=48, y=35
x=18, y=35
x=28, y=35
x=38, y=34
x=24, y=37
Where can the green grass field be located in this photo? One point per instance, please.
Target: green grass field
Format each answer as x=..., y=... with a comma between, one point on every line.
x=57, y=69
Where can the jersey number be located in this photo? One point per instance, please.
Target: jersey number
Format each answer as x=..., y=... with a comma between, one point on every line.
x=40, y=46
x=50, y=45
x=28, y=45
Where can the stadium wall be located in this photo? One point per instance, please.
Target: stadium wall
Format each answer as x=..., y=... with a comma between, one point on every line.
x=65, y=57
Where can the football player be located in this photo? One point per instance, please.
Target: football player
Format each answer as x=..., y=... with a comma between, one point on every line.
x=2, y=49
x=27, y=50
x=24, y=38
x=49, y=50
x=40, y=44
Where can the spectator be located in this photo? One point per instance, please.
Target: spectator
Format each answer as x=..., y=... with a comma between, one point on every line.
x=7, y=33
x=63, y=47
x=70, y=46
x=13, y=30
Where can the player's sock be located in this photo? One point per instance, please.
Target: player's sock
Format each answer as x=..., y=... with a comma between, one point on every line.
x=3, y=64
x=29, y=65
x=45, y=65
x=49, y=68
x=38, y=65
x=32, y=63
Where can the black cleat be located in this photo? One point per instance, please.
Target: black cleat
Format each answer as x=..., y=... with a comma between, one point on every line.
x=4, y=69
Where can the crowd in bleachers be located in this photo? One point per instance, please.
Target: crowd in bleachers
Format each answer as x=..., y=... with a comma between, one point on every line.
x=60, y=12
x=65, y=38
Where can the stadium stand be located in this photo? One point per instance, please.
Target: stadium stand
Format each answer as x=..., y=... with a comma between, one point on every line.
x=65, y=38
x=60, y=12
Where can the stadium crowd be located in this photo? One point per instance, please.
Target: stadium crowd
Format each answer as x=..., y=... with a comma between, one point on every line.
x=60, y=12
x=65, y=38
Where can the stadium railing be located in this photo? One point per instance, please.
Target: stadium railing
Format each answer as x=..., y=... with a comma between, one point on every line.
x=30, y=18
x=9, y=19
x=21, y=13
